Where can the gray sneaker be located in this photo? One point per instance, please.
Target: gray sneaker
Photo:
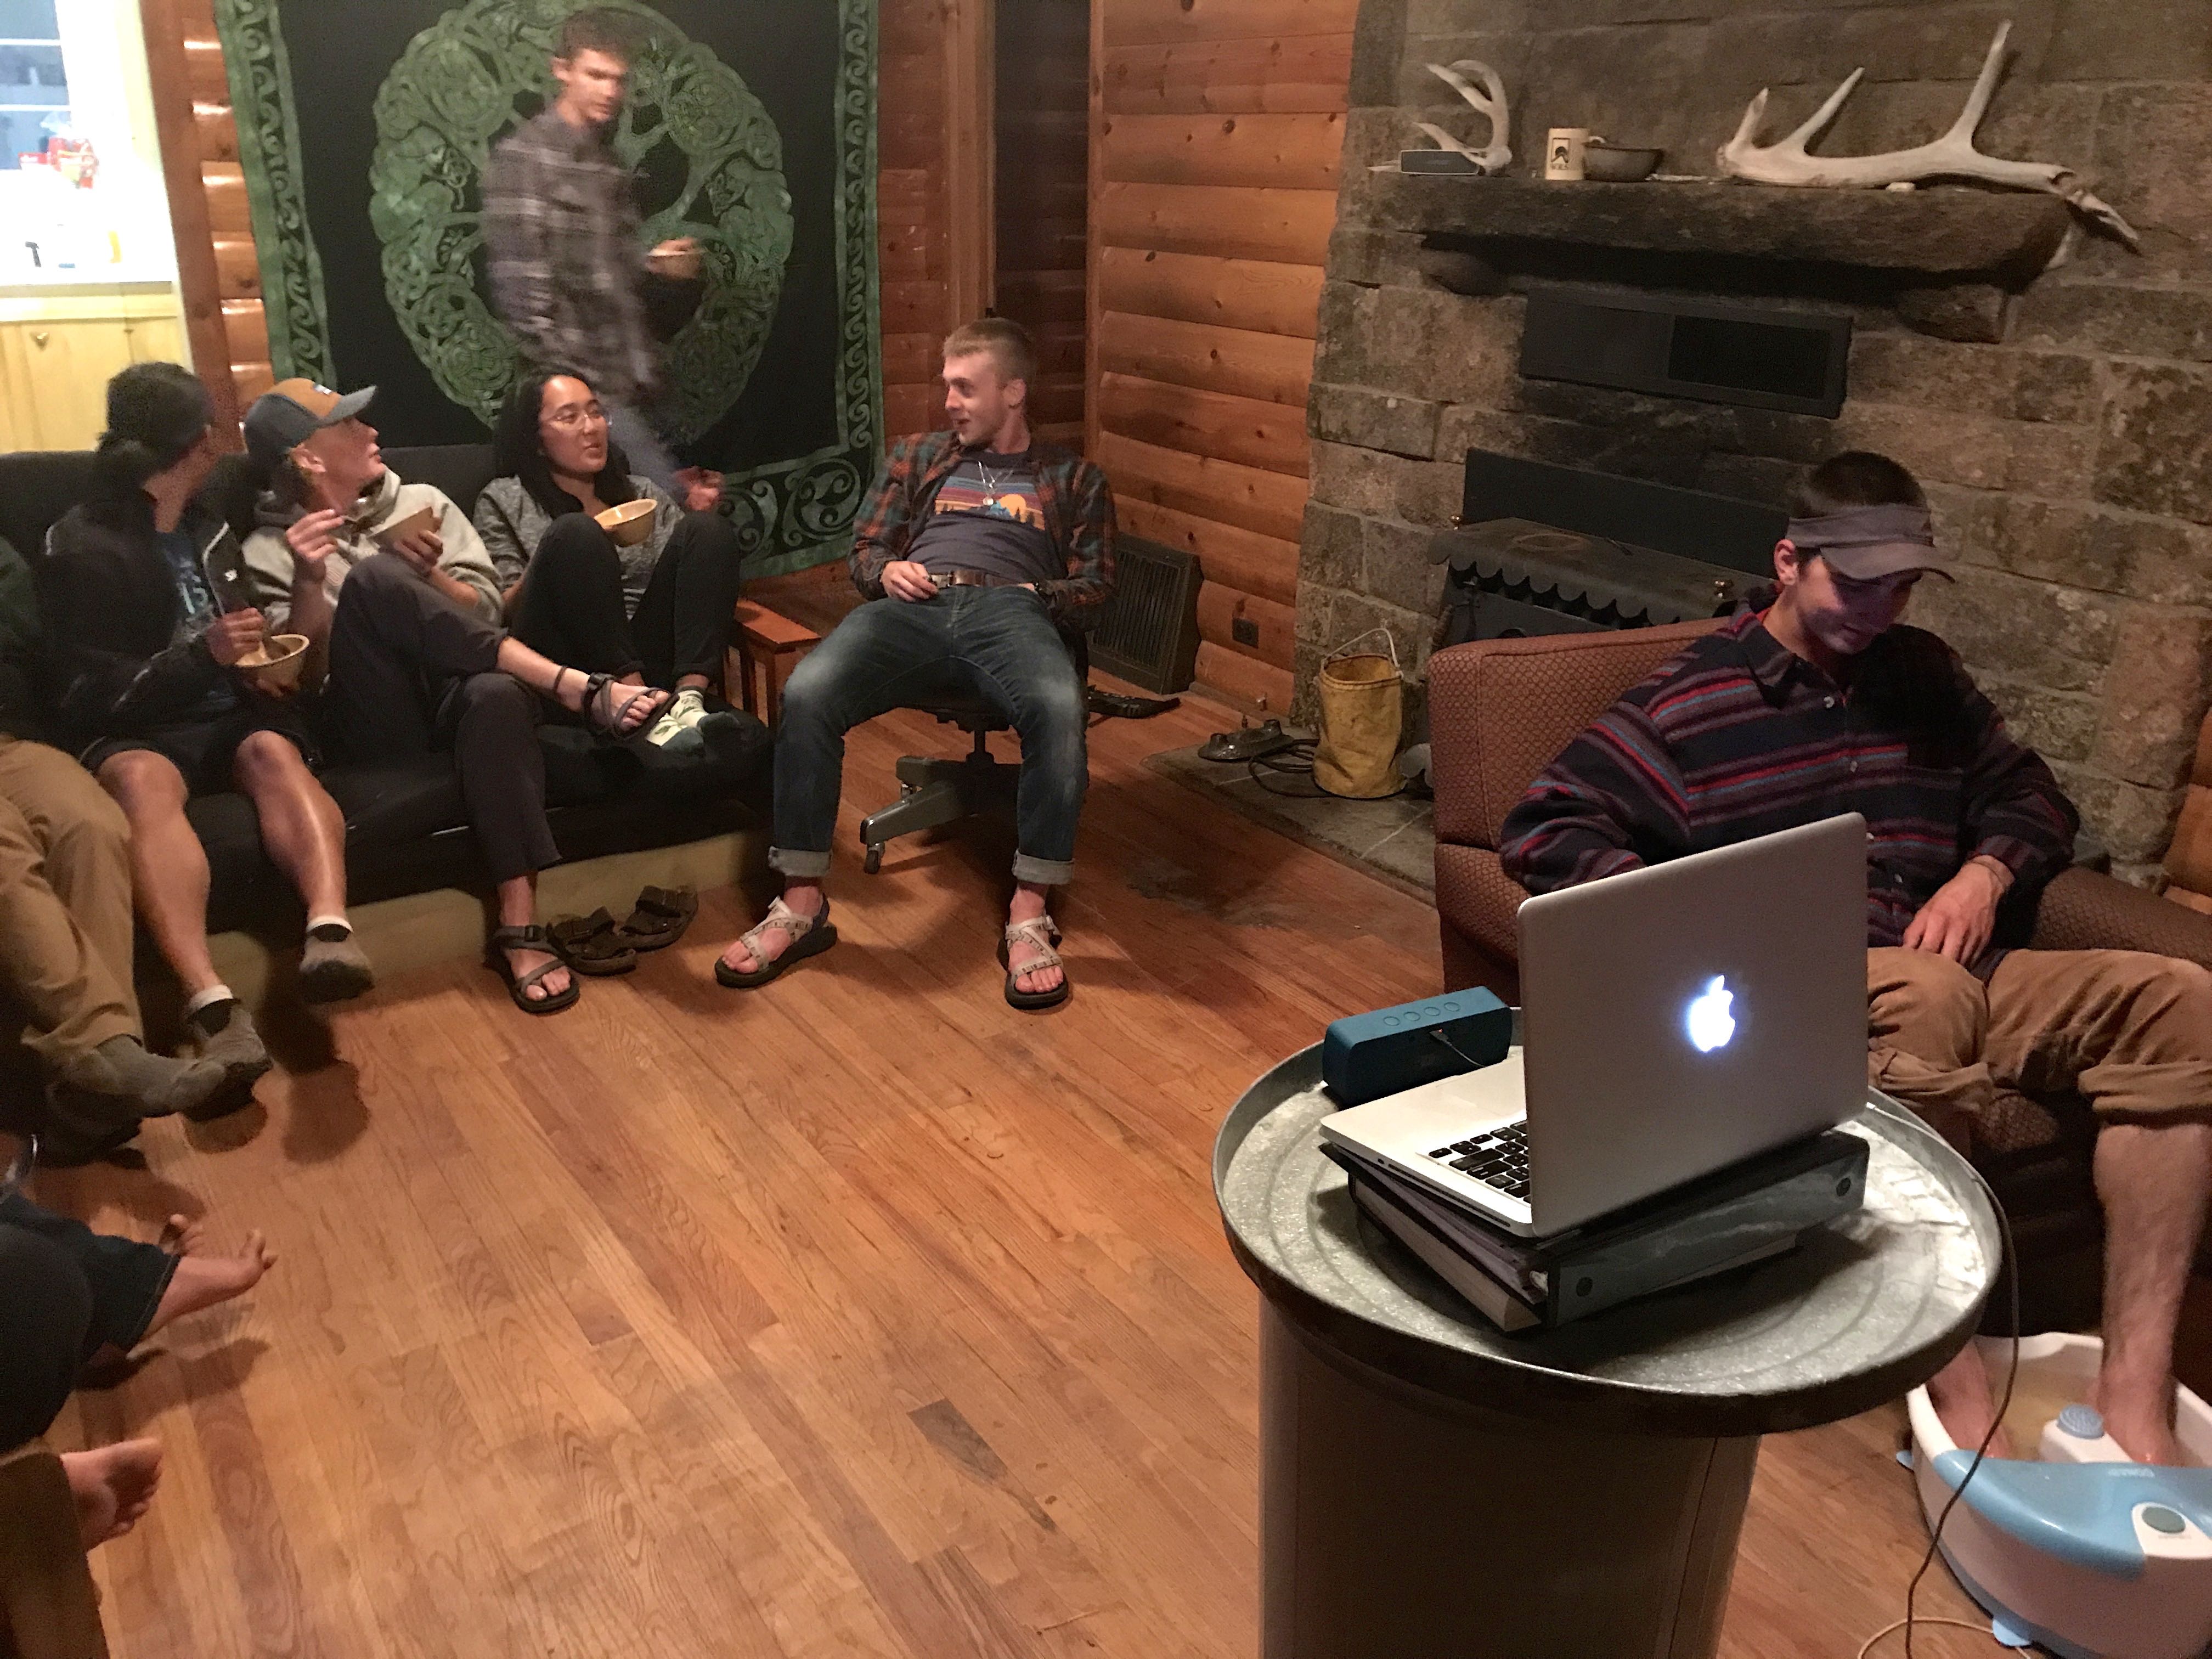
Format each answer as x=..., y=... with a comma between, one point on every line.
x=223, y=1032
x=333, y=969
x=121, y=1071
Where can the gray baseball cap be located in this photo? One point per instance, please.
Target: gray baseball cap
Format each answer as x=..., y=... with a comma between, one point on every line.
x=292, y=411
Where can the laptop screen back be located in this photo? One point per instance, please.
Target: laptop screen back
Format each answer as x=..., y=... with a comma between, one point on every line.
x=1683, y=1017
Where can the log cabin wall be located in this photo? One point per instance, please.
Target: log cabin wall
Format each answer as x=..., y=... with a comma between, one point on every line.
x=1043, y=122
x=1216, y=129
x=218, y=277
x=914, y=208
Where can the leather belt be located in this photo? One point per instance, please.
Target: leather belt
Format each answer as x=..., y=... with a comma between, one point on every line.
x=974, y=579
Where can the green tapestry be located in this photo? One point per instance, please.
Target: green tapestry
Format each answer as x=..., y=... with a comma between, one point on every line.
x=365, y=131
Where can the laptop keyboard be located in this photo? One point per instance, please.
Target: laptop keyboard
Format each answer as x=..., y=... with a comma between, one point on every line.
x=1498, y=1157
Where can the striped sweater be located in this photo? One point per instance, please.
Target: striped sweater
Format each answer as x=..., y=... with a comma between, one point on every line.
x=1736, y=737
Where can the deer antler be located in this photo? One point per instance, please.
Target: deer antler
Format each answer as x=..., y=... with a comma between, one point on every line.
x=1494, y=157
x=1951, y=157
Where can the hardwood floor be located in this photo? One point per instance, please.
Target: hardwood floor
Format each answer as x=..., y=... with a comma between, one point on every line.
x=857, y=1315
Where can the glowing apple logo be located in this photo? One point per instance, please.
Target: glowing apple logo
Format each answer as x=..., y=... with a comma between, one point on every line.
x=1709, y=1022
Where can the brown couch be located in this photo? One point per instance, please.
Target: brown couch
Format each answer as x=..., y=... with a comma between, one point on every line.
x=1500, y=710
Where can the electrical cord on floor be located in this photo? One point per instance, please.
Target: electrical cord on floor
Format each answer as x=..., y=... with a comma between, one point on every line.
x=1295, y=762
x=1911, y=1620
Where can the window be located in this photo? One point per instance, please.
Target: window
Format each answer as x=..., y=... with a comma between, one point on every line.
x=34, y=100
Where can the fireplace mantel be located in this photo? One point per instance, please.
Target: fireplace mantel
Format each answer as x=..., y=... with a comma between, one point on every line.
x=1943, y=235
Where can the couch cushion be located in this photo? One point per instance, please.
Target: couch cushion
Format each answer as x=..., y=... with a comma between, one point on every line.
x=1501, y=710
x=460, y=470
x=36, y=488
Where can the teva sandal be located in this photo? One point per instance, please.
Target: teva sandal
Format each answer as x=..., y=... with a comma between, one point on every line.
x=592, y=944
x=809, y=937
x=532, y=938
x=602, y=714
x=661, y=915
x=1042, y=932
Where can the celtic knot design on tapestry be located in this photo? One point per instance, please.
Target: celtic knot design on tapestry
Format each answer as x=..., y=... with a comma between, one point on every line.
x=710, y=164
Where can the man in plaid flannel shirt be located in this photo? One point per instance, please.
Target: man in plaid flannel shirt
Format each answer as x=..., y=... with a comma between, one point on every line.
x=561, y=223
x=979, y=549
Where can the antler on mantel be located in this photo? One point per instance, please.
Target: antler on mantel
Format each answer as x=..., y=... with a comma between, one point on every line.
x=1951, y=157
x=1460, y=76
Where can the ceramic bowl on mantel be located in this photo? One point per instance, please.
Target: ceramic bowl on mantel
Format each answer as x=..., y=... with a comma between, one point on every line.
x=1611, y=165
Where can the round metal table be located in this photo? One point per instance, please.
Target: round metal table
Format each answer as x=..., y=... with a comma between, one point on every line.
x=1431, y=1487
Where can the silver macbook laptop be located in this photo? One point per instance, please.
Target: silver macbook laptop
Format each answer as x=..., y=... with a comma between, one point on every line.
x=1674, y=1020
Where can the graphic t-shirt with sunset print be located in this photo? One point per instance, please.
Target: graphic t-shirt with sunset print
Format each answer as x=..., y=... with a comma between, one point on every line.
x=986, y=517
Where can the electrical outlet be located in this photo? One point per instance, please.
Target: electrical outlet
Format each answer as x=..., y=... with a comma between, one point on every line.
x=1244, y=631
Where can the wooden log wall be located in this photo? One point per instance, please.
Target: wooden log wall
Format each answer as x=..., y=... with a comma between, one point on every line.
x=1216, y=126
x=1042, y=122
x=912, y=209
x=218, y=278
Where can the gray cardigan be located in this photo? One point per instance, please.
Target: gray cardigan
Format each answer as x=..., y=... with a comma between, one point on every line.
x=512, y=524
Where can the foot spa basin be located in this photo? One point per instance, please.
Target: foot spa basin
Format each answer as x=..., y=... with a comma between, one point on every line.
x=2070, y=1545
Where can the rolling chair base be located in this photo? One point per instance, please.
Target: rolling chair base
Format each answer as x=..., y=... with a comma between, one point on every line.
x=933, y=792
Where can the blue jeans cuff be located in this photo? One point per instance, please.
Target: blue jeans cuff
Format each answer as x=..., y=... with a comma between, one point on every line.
x=792, y=861
x=1045, y=872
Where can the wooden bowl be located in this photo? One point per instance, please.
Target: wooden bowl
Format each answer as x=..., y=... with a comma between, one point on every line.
x=1609, y=165
x=630, y=523
x=276, y=662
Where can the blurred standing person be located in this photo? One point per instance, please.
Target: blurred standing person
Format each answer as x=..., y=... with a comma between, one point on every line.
x=568, y=272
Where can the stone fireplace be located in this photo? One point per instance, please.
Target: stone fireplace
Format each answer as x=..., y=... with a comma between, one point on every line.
x=2061, y=419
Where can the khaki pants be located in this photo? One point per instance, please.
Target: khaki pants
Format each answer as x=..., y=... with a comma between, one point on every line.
x=66, y=927
x=2130, y=1032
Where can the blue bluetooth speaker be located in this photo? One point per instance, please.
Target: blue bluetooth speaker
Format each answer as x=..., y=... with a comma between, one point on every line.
x=1366, y=1056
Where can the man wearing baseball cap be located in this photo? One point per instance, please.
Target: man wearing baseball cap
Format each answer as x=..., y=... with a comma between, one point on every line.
x=1824, y=703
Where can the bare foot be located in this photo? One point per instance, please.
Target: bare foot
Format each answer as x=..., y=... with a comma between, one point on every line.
x=1960, y=1394
x=114, y=1485
x=2140, y=1419
x=804, y=899
x=181, y=1235
x=202, y=1281
x=1028, y=907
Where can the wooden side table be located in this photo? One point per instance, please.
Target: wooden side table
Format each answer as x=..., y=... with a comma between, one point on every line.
x=767, y=646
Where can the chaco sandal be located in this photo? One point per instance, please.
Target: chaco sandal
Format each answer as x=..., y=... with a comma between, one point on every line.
x=661, y=915
x=592, y=944
x=609, y=717
x=532, y=938
x=809, y=937
x=1041, y=932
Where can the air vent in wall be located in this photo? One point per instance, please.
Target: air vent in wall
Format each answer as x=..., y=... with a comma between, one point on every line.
x=1147, y=632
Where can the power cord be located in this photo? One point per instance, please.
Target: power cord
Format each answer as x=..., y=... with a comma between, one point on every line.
x=1296, y=762
x=1911, y=1620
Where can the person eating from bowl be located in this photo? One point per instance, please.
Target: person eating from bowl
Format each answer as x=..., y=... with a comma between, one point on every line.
x=151, y=633
x=398, y=596
x=599, y=565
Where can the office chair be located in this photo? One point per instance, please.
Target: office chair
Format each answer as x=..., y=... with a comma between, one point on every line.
x=934, y=790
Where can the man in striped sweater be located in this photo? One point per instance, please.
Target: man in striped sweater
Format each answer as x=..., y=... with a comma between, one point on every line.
x=1823, y=703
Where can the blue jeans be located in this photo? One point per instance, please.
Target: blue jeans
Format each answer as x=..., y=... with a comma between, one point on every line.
x=998, y=643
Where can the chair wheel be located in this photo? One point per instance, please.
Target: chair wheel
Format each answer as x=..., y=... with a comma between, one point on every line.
x=873, y=861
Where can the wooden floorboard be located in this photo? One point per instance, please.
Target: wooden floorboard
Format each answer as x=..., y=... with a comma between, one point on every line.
x=857, y=1315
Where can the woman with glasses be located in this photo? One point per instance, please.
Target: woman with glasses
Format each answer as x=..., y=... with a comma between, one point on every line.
x=655, y=612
